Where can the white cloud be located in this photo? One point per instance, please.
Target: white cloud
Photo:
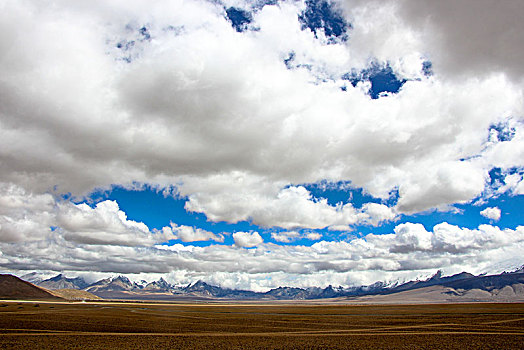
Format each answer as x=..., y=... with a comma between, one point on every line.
x=314, y=236
x=408, y=252
x=374, y=213
x=512, y=183
x=412, y=237
x=247, y=239
x=24, y=215
x=105, y=224
x=179, y=111
x=519, y=189
x=492, y=213
x=191, y=234
x=28, y=217
x=515, y=182
x=507, y=154
x=291, y=208
x=290, y=236
x=445, y=184
x=285, y=236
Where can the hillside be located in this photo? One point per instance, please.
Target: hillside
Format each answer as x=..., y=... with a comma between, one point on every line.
x=12, y=287
x=437, y=294
x=74, y=294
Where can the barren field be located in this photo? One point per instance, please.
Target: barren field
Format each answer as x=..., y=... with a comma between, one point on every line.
x=103, y=325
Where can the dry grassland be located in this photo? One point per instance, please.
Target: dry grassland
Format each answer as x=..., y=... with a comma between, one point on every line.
x=104, y=325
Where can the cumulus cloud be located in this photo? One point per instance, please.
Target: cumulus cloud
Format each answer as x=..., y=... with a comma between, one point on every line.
x=247, y=239
x=290, y=236
x=167, y=105
x=105, y=224
x=191, y=234
x=375, y=214
x=519, y=187
x=24, y=215
x=291, y=208
x=314, y=236
x=452, y=182
x=513, y=183
x=471, y=37
x=286, y=236
x=507, y=153
x=492, y=213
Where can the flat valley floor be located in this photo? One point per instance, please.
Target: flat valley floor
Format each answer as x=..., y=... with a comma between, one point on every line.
x=106, y=325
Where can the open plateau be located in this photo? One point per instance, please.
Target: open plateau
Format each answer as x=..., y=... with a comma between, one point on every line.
x=417, y=314
x=291, y=325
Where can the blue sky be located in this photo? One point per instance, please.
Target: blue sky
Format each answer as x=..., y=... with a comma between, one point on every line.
x=157, y=210
x=258, y=144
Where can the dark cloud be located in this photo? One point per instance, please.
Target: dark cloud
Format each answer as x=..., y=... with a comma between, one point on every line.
x=471, y=36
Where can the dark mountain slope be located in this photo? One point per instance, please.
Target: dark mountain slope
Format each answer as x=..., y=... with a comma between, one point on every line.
x=487, y=282
x=12, y=287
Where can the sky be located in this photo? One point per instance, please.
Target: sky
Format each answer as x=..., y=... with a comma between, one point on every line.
x=257, y=144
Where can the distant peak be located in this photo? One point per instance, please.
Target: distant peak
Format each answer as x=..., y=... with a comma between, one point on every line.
x=437, y=275
x=57, y=277
x=122, y=279
x=464, y=273
x=519, y=270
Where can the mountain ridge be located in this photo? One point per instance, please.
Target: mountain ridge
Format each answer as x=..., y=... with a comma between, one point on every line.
x=121, y=287
x=62, y=282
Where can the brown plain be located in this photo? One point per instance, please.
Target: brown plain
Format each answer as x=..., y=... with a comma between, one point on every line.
x=127, y=325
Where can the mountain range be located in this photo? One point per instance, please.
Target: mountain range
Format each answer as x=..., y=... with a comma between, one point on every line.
x=62, y=282
x=456, y=287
